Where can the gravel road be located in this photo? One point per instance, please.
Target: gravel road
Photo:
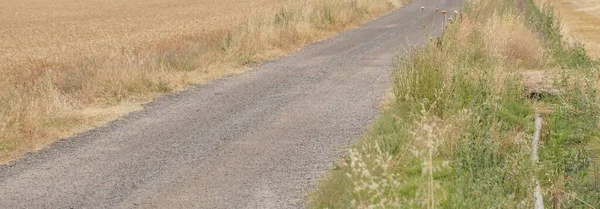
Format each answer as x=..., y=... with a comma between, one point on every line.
x=261, y=139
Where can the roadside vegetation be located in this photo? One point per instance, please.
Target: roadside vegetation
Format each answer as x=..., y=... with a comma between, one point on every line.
x=458, y=131
x=69, y=65
x=581, y=19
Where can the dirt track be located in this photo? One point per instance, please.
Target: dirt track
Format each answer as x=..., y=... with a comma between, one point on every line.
x=256, y=140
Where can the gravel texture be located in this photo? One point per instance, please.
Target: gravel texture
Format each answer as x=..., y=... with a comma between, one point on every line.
x=261, y=139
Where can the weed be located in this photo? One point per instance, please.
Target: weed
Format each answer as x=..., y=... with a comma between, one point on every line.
x=459, y=129
x=548, y=25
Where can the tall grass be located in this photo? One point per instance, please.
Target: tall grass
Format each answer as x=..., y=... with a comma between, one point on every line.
x=459, y=129
x=578, y=19
x=545, y=21
x=42, y=99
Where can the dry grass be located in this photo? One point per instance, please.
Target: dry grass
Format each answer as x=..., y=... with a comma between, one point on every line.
x=458, y=128
x=69, y=65
x=581, y=22
x=507, y=36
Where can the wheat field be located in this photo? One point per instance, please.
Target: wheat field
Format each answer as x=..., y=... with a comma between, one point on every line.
x=69, y=29
x=69, y=65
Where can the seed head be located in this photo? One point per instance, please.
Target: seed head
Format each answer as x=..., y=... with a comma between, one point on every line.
x=455, y=12
x=444, y=12
x=436, y=9
x=422, y=9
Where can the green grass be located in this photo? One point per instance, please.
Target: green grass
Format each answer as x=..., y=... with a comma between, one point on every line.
x=458, y=131
x=548, y=25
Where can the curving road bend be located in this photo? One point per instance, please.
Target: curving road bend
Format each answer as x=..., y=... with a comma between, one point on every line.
x=256, y=140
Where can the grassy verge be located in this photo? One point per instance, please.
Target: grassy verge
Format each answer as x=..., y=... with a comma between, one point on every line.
x=458, y=131
x=44, y=99
x=577, y=18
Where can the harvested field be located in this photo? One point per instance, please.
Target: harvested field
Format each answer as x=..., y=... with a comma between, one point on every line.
x=581, y=21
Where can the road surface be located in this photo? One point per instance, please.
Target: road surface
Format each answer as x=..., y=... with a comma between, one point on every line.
x=261, y=139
